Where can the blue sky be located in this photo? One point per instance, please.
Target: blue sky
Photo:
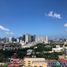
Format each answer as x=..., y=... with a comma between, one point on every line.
x=41, y=17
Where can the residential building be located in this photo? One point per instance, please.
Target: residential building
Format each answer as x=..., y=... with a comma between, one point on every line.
x=57, y=49
x=54, y=63
x=35, y=62
x=65, y=50
x=65, y=42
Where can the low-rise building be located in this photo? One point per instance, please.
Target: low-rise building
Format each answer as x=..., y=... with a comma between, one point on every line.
x=35, y=62
x=54, y=64
x=15, y=62
x=58, y=49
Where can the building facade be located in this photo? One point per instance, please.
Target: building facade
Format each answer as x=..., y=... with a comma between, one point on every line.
x=41, y=39
x=35, y=62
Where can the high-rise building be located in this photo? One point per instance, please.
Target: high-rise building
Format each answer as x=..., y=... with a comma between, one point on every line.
x=41, y=39
x=46, y=39
x=27, y=38
x=33, y=38
x=10, y=39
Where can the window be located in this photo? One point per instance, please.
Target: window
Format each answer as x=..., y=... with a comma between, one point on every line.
x=28, y=61
x=28, y=65
x=35, y=66
x=40, y=66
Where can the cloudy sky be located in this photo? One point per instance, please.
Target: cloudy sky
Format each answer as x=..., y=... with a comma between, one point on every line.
x=41, y=17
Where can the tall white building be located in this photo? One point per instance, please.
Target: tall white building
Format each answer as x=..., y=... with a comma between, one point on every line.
x=10, y=39
x=41, y=39
x=27, y=38
x=46, y=39
x=17, y=40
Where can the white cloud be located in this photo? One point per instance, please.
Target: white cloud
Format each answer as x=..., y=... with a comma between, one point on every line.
x=4, y=28
x=54, y=15
x=9, y=33
x=65, y=25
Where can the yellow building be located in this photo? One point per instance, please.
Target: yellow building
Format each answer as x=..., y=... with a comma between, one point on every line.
x=35, y=62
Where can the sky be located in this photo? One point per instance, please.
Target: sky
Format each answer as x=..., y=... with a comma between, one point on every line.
x=40, y=17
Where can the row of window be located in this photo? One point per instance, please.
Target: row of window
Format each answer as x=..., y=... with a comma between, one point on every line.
x=36, y=66
x=30, y=63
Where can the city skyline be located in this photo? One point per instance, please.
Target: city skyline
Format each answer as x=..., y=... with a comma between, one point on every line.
x=40, y=17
